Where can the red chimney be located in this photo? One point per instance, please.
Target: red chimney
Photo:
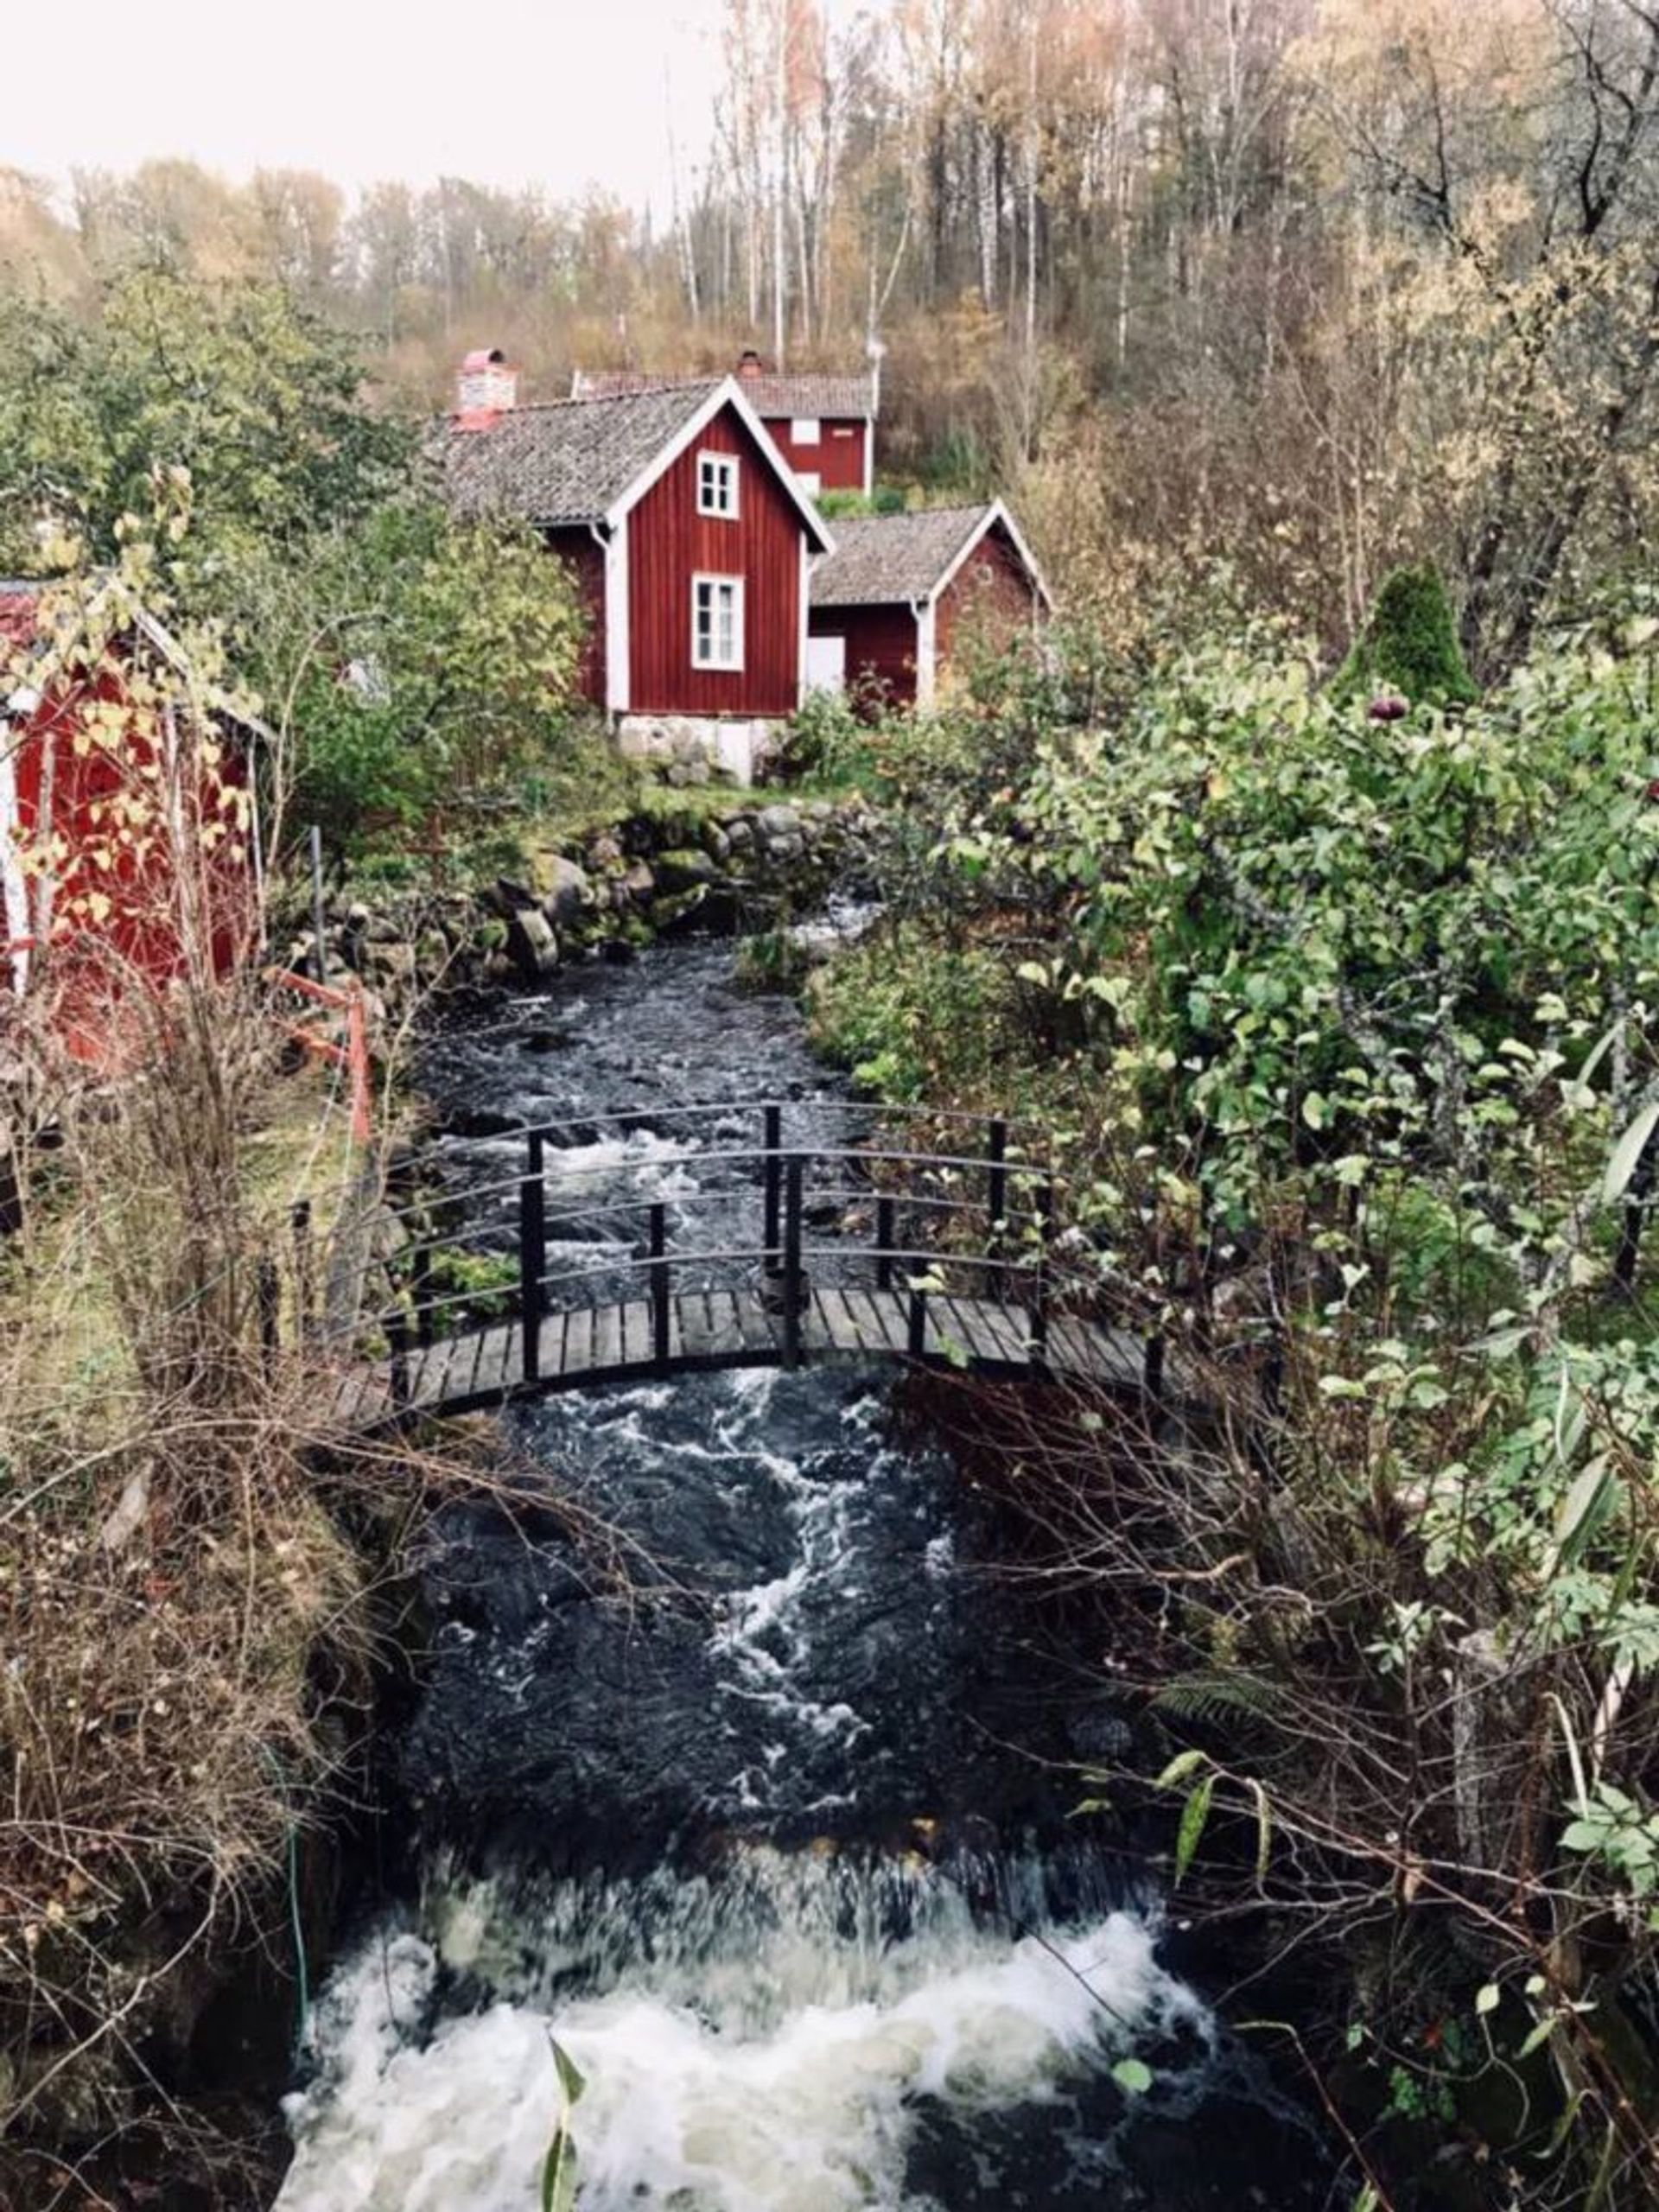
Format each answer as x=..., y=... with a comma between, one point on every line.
x=749, y=364
x=486, y=389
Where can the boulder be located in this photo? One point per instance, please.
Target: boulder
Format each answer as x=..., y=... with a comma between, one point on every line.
x=740, y=833
x=532, y=946
x=775, y=823
x=684, y=869
x=563, y=886
x=638, y=886
x=716, y=843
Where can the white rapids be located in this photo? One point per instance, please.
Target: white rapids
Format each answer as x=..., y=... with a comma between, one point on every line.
x=771, y=2058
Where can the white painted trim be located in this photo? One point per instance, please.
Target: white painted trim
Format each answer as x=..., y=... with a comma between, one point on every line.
x=618, y=623
x=869, y=456
x=812, y=480
x=14, y=893
x=927, y=650
x=730, y=466
x=739, y=619
x=995, y=513
x=727, y=393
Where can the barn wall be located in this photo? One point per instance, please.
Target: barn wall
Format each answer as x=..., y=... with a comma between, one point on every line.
x=585, y=558
x=988, y=601
x=880, y=648
x=668, y=542
x=838, y=457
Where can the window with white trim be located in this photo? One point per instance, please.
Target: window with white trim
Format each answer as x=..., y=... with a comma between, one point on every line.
x=716, y=621
x=804, y=430
x=809, y=482
x=717, y=484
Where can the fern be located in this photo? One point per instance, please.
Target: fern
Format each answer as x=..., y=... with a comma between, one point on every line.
x=1210, y=1698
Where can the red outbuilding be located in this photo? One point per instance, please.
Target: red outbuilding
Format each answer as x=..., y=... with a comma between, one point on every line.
x=691, y=541
x=823, y=425
x=901, y=594
x=129, y=845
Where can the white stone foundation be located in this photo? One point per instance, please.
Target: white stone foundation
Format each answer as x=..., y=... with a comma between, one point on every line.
x=734, y=748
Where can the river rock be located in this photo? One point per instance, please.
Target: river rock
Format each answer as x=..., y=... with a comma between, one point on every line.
x=532, y=946
x=684, y=869
x=777, y=825
x=563, y=886
x=739, y=834
x=639, y=885
x=716, y=843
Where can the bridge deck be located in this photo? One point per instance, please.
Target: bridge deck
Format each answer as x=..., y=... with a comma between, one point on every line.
x=721, y=1329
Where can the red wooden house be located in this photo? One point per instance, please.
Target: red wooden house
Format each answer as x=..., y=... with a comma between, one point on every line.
x=901, y=593
x=823, y=425
x=691, y=539
x=128, y=836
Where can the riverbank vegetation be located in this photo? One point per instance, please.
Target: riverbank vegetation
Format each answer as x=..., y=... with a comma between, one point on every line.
x=1342, y=1003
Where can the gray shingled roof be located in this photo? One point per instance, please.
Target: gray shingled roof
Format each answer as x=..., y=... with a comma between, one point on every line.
x=831, y=398
x=884, y=558
x=567, y=462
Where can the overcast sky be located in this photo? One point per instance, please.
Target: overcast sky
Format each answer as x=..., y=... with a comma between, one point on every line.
x=562, y=93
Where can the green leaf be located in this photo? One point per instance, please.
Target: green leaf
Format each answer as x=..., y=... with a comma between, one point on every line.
x=1180, y=1766
x=1580, y=1508
x=1628, y=1152
x=559, y=2174
x=1263, y=1830
x=1487, y=1997
x=1540, y=2034
x=1194, y=1814
x=570, y=2080
x=1133, y=2076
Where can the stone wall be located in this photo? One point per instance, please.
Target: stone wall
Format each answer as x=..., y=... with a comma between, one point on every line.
x=738, y=866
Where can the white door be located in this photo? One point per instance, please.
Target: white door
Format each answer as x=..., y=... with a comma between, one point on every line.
x=826, y=663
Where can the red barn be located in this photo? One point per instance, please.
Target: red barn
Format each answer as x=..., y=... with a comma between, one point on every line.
x=127, y=829
x=823, y=425
x=691, y=541
x=902, y=593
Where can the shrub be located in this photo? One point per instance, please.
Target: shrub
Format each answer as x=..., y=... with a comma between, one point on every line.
x=1409, y=645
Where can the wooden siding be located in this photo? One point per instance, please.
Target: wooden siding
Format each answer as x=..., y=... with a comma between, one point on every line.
x=668, y=542
x=585, y=558
x=880, y=651
x=988, y=601
x=838, y=457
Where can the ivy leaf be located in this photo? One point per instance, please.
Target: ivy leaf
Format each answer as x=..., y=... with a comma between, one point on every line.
x=1194, y=1814
x=1133, y=2076
x=1487, y=1999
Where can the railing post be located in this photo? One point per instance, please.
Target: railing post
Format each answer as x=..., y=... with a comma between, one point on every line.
x=269, y=1295
x=884, y=1237
x=423, y=1287
x=1039, y=1280
x=397, y=1342
x=659, y=1286
x=792, y=1282
x=996, y=1182
x=772, y=1143
x=1152, y=1376
x=299, y=1218
x=916, y=1320
x=532, y=1257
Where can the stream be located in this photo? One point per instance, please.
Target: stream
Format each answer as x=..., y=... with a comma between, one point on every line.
x=754, y=1795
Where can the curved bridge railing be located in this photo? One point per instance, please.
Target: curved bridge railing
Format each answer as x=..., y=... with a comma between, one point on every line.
x=622, y=1244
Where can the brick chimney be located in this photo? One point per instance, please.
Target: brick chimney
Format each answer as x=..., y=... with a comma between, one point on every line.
x=750, y=365
x=486, y=388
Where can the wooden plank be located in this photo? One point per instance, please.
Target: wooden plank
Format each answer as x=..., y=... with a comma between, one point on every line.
x=870, y=1335
x=966, y=1319
x=887, y=1312
x=578, y=1342
x=608, y=1340
x=500, y=1365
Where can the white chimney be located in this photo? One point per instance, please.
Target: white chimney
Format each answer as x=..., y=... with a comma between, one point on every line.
x=486, y=387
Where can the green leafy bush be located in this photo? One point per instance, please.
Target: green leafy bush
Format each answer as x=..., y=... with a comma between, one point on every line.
x=1409, y=645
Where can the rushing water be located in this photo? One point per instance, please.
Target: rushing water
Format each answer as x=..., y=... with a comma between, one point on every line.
x=736, y=1797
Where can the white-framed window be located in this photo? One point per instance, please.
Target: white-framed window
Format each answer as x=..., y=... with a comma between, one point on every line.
x=716, y=621
x=809, y=482
x=804, y=430
x=717, y=484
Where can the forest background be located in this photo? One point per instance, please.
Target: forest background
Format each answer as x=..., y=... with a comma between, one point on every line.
x=1314, y=286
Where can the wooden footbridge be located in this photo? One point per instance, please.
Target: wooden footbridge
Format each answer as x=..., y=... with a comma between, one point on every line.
x=622, y=1246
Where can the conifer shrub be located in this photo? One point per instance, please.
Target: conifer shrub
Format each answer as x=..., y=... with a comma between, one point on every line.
x=1409, y=644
